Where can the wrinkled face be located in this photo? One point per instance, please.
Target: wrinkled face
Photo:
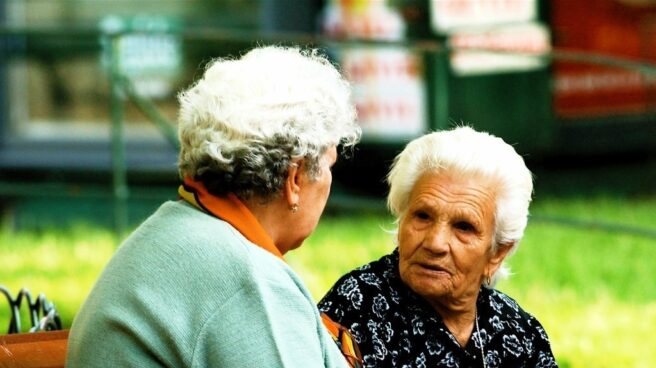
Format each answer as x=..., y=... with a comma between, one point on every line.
x=314, y=195
x=445, y=237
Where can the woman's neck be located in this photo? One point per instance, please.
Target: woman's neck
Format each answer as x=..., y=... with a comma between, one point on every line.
x=458, y=318
x=272, y=216
x=461, y=326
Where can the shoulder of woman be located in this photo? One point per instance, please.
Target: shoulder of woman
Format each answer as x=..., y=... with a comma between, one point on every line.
x=357, y=288
x=505, y=305
x=193, y=245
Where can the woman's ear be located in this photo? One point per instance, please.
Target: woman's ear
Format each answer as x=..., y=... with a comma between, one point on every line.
x=497, y=259
x=292, y=186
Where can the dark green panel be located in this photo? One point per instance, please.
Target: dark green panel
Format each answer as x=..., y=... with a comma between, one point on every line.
x=514, y=106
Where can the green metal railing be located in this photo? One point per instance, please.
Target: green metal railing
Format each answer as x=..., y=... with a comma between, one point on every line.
x=120, y=86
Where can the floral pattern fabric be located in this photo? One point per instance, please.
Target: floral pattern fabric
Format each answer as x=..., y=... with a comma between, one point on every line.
x=395, y=327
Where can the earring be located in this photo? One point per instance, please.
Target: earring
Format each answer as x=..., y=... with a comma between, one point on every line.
x=488, y=280
x=294, y=208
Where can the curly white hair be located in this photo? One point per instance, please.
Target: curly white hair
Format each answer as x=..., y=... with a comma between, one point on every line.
x=243, y=122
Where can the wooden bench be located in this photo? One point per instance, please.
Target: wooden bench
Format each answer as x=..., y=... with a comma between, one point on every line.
x=34, y=350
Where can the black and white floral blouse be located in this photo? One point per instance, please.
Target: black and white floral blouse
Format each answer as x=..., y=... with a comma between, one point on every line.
x=395, y=327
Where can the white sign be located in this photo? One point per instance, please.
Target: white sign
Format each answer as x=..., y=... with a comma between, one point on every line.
x=149, y=54
x=499, y=49
x=448, y=15
x=387, y=90
x=387, y=82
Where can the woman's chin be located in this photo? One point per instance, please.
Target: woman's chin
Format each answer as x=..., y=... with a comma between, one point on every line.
x=430, y=285
x=294, y=245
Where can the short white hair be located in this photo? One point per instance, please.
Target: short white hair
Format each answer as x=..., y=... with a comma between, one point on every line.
x=246, y=118
x=466, y=151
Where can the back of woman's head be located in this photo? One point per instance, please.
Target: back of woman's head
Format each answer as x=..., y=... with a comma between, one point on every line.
x=245, y=119
x=465, y=151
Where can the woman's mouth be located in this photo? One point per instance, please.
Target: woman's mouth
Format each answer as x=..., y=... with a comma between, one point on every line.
x=433, y=269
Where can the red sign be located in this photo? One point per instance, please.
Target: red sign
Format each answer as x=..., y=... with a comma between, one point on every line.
x=619, y=28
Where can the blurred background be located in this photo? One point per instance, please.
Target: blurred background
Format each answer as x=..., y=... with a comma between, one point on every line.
x=88, y=144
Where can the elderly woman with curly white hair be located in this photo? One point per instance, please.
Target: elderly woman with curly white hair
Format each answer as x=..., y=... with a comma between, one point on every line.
x=461, y=198
x=202, y=282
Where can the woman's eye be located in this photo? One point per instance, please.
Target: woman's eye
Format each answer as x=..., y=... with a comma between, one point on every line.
x=421, y=215
x=464, y=226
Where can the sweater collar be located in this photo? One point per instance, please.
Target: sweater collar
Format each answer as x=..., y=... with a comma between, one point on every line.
x=230, y=209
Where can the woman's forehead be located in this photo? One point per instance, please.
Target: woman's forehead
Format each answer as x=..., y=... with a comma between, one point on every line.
x=444, y=188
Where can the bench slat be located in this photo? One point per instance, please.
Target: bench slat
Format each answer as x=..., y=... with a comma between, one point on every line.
x=34, y=350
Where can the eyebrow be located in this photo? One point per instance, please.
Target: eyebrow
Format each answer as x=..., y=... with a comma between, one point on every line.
x=462, y=213
x=474, y=217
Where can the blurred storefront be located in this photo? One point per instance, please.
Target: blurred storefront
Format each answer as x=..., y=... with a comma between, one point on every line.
x=415, y=66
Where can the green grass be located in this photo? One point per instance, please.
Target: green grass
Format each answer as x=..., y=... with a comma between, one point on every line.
x=592, y=289
x=61, y=264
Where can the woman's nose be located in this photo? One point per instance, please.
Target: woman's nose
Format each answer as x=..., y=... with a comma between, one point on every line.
x=437, y=239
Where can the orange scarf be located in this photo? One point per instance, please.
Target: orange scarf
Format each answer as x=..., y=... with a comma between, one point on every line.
x=229, y=209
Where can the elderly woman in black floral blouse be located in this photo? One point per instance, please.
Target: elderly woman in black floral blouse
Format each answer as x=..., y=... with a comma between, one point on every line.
x=461, y=198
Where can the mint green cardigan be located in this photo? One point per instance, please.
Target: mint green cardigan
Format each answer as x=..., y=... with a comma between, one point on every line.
x=188, y=290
